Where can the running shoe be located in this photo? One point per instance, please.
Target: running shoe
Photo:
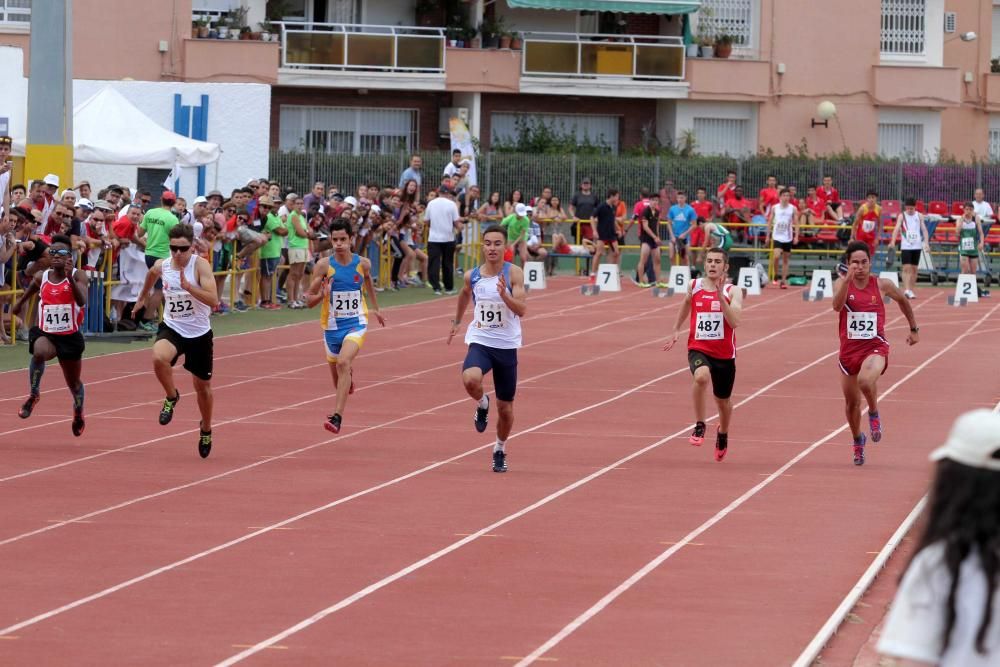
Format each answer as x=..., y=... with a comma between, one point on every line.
x=78, y=423
x=662, y=285
x=167, y=411
x=782, y=285
x=875, y=425
x=698, y=436
x=204, y=443
x=643, y=284
x=499, y=461
x=721, y=446
x=28, y=406
x=332, y=424
x=482, y=416
x=859, y=451
x=909, y=294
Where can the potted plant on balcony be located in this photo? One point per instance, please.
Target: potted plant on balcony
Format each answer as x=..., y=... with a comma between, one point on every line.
x=706, y=46
x=266, y=30
x=199, y=28
x=491, y=29
x=515, y=41
x=470, y=37
x=723, y=45
x=505, y=40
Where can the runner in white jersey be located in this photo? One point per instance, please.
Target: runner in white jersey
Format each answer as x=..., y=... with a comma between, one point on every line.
x=911, y=230
x=783, y=226
x=189, y=295
x=499, y=301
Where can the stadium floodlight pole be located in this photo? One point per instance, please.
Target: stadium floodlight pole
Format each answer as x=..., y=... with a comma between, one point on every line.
x=49, y=145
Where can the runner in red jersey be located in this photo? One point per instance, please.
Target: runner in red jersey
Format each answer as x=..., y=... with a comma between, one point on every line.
x=864, y=349
x=62, y=295
x=712, y=310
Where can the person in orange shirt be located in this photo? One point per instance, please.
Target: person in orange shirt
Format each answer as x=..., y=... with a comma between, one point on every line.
x=727, y=190
x=865, y=228
x=768, y=196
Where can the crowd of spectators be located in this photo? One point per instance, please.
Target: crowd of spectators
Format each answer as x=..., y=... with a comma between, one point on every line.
x=420, y=221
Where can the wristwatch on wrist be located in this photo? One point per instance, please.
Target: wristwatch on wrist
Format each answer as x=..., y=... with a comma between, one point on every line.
x=454, y=323
x=914, y=329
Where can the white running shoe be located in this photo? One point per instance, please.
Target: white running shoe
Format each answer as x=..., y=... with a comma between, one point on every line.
x=909, y=294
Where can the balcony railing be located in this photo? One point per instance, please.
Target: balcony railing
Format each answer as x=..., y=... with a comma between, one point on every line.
x=355, y=46
x=599, y=56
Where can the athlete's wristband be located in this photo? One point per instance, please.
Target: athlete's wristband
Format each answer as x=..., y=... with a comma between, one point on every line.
x=914, y=329
x=454, y=323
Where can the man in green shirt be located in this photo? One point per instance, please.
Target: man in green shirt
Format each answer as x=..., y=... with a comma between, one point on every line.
x=270, y=252
x=517, y=223
x=152, y=233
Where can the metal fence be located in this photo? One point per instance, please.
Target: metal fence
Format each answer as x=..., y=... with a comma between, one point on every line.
x=504, y=172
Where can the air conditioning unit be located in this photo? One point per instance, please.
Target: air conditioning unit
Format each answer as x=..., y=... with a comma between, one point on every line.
x=446, y=114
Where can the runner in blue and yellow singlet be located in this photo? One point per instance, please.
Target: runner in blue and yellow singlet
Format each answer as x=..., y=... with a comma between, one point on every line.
x=337, y=284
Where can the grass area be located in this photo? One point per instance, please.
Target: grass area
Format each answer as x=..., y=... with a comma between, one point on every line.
x=15, y=357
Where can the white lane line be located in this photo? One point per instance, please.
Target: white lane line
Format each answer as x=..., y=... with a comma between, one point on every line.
x=310, y=322
x=340, y=501
x=436, y=339
x=829, y=629
x=427, y=560
x=292, y=453
x=601, y=604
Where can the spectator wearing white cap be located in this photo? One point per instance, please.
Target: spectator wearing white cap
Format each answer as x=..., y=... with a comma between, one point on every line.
x=443, y=218
x=947, y=610
x=83, y=189
x=518, y=225
x=46, y=199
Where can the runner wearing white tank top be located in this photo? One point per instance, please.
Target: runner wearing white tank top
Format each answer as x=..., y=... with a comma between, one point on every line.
x=496, y=290
x=783, y=227
x=911, y=231
x=189, y=296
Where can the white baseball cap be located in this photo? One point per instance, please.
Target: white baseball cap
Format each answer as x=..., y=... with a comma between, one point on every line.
x=521, y=209
x=201, y=200
x=351, y=200
x=376, y=210
x=51, y=179
x=86, y=203
x=974, y=441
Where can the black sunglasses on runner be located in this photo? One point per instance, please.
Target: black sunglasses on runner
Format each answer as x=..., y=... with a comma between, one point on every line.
x=179, y=248
x=59, y=252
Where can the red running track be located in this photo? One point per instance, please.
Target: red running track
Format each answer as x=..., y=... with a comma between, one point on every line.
x=610, y=541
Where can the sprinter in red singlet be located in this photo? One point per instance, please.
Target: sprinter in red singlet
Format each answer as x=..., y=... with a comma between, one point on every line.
x=712, y=310
x=62, y=295
x=864, y=349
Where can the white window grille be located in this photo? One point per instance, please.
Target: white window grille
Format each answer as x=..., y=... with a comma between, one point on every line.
x=357, y=130
x=995, y=144
x=901, y=140
x=593, y=129
x=15, y=11
x=904, y=27
x=729, y=17
x=722, y=136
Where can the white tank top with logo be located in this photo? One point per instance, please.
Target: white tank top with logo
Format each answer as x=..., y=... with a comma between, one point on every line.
x=912, y=233
x=493, y=324
x=183, y=313
x=783, y=217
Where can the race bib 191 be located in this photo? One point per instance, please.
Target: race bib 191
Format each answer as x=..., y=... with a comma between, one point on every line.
x=57, y=318
x=346, y=304
x=708, y=326
x=490, y=315
x=178, y=306
x=862, y=326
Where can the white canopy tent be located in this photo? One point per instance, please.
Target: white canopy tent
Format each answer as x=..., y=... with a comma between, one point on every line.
x=108, y=129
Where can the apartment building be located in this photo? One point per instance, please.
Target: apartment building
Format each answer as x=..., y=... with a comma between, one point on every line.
x=905, y=77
